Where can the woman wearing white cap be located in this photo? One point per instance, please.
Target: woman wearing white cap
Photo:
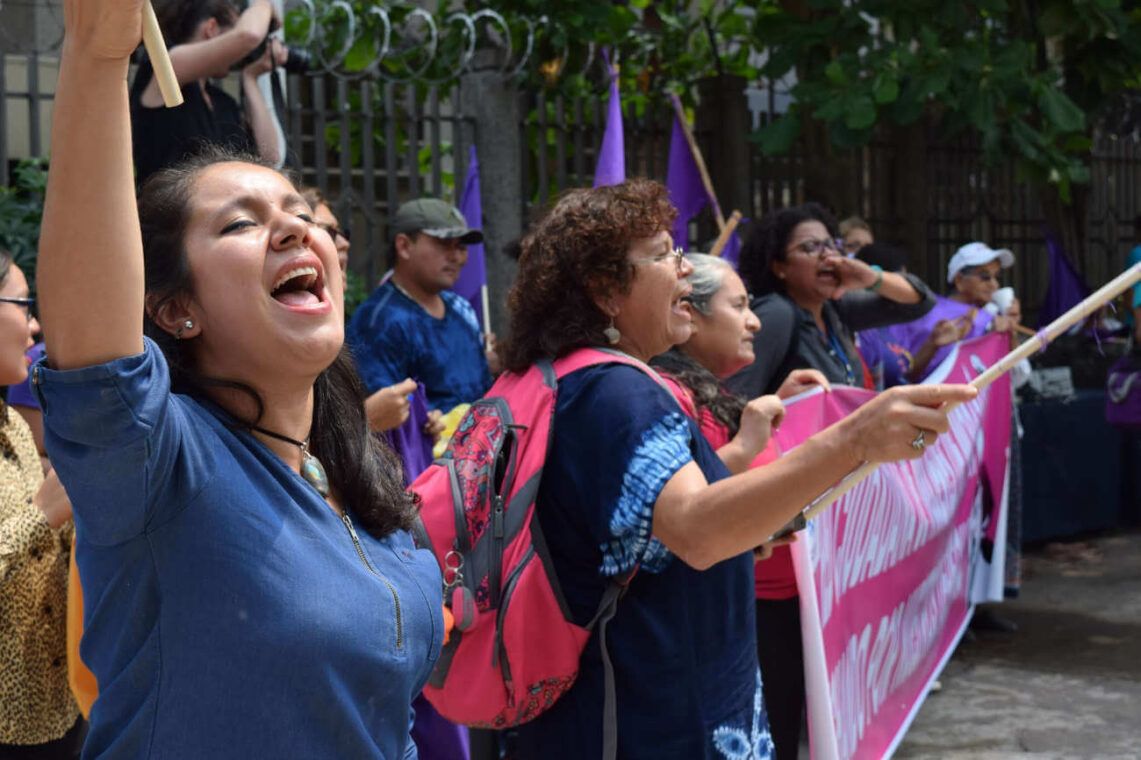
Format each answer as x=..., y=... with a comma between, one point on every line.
x=973, y=272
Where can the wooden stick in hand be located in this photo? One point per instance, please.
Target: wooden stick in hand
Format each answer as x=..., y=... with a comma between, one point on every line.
x=160, y=58
x=726, y=231
x=1104, y=295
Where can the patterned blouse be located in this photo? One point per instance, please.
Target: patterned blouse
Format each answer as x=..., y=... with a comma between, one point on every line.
x=682, y=642
x=36, y=705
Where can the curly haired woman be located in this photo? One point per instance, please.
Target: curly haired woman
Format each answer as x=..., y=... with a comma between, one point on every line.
x=630, y=483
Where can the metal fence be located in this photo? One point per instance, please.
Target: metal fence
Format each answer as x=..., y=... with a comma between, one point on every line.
x=370, y=146
x=420, y=139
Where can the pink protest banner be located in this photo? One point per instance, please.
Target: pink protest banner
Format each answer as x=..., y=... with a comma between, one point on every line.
x=889, y=574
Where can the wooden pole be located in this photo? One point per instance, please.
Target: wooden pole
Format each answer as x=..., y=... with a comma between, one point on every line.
x=1059, y=326
x=726, y=232
x=679, y=111
x=160, y=58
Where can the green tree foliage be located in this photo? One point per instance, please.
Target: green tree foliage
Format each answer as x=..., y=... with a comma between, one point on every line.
x=1029, y=79
x=658, y=45
x=21, y=210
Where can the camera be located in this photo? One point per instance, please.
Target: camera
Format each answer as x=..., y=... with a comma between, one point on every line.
x=298, y=60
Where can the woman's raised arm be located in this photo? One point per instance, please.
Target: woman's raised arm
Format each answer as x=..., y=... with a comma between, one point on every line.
x=90, y=271
x=704, y=524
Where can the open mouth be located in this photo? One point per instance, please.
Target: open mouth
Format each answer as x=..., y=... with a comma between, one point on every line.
x=828, y=275
x=298, y=287
x=675, y=305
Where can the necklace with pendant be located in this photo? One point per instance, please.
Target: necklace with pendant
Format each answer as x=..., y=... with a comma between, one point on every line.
x=312, y=470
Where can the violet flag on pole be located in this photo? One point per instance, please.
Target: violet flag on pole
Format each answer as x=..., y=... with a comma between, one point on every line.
x=732, y=250
x=1066, y=288
x=683, y=180
x=473, y=277
x=611, y=166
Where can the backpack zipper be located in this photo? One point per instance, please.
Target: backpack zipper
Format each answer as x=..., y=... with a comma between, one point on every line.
x=391, y=589
x=507, y=448
x=501, y=613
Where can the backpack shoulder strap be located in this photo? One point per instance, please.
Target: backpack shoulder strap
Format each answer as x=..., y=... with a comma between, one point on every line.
x=589, y=357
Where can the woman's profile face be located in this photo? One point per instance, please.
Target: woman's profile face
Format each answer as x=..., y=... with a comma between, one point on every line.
x=16, y=329
x=327, y=221
x=650, y=316
x=267, y=293
x=722, y=340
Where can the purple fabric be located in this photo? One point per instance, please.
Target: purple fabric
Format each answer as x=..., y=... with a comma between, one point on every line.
x=1066, y=289
x=22, y=393
x=887, y=360
x=611, y=167
x=437, y=738
x=473, y=277
x=683, y=180
x=409, y=441
x=908, y=337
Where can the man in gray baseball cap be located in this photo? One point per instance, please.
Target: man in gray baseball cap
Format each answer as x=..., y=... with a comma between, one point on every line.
x=436, y=218
x=413, y=325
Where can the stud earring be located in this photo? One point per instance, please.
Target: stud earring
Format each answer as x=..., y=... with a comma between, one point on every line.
x=612, y=334
x=187, y=325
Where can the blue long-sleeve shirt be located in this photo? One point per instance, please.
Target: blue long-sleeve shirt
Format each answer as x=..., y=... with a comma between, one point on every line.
x=227, y=610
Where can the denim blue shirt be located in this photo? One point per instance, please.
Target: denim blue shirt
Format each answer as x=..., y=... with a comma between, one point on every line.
x=393, y=337
x=227, y=611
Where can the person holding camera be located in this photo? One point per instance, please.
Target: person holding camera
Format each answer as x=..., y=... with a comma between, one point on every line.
x=207, y=39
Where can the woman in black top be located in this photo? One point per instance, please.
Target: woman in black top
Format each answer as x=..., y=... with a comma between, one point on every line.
x=206, y=39
x=811, y=299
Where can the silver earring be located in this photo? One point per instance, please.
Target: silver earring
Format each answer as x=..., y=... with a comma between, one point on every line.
x=187, y=325
x=612, y=334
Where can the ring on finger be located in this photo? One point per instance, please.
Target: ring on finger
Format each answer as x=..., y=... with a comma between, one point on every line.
x=920, y=441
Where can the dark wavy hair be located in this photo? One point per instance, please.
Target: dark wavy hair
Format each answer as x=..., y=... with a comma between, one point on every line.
x=362, y=469
x=708, y=392
x=575, y=253
x=768, y=242
x=179, y=18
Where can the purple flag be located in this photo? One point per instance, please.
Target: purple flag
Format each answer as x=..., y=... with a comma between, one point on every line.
x=611, y=167
x=408, y=441
x=1066, y=288
x=473, y=277
x=732, y=250
x=687, y=192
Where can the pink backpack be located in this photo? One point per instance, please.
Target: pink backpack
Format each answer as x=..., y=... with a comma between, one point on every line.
x=514, y=650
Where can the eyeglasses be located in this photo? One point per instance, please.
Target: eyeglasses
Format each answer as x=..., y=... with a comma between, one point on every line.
x=677, y=254
x=25, y=304
x=817, y=247
x=982, y=275
x=334, y=231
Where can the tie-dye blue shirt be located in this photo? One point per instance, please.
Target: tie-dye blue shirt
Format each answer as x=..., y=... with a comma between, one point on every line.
x=683, y=641
x=393, y=337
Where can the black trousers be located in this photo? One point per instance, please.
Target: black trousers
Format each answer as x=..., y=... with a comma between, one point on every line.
x=782, y=670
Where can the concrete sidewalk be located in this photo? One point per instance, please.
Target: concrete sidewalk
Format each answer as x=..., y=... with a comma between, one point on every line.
x=1067, y=684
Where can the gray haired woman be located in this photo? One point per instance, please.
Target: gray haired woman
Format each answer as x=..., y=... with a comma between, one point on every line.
x=720, y=345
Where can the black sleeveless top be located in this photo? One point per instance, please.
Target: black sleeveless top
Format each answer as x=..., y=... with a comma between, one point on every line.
x=164, y=136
